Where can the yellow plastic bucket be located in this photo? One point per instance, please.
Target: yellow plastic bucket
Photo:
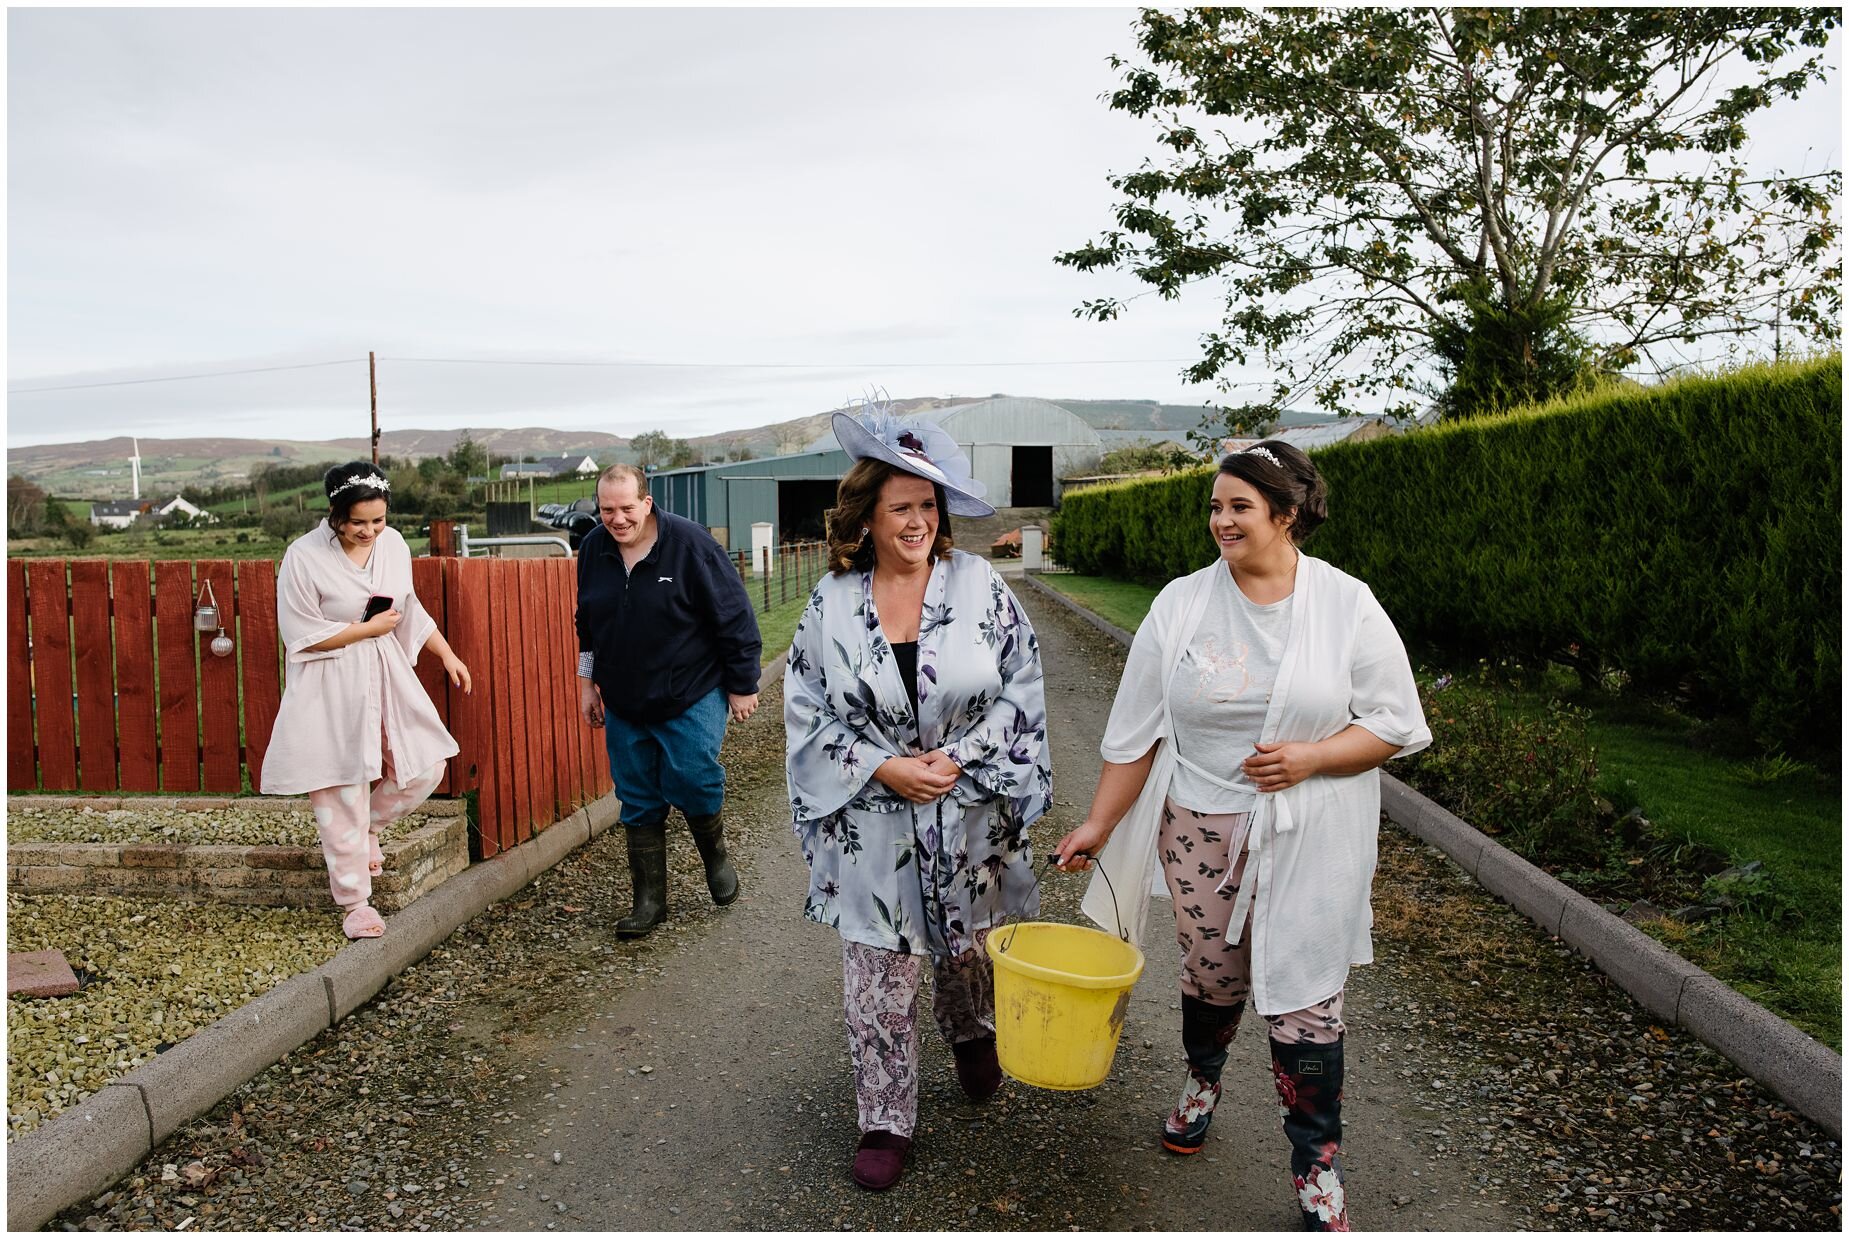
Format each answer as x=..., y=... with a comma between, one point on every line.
x=1060, y=996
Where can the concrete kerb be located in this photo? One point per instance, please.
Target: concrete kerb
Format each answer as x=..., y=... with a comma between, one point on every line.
x=1801, y=1070
x=75, y=1155
x=80, y=1152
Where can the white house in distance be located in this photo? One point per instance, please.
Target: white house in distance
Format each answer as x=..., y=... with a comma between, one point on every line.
x=550, y=467
x=179, y=504
x=119, y=513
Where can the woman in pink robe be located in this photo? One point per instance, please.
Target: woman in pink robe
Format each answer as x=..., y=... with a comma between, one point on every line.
x=356, y=730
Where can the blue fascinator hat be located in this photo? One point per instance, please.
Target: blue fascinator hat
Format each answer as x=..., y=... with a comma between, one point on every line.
x=875, y=432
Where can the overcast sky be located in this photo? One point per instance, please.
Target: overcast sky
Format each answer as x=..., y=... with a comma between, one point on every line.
x=864, y=197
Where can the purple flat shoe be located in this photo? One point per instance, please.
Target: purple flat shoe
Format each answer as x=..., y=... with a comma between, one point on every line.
x=880, y=1159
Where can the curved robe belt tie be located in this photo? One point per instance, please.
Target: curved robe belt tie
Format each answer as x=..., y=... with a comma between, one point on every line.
x=1271, y=811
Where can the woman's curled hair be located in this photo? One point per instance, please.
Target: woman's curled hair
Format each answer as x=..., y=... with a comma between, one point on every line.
x=858, y=494
x=1287, y=480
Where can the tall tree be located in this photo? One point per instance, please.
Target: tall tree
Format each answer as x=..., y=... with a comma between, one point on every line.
x=652, y=448
x=468, y=457
x=25, y=504
x=1501, y=198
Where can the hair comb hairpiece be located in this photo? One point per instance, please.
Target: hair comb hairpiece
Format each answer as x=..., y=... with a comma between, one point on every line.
x=362, y=479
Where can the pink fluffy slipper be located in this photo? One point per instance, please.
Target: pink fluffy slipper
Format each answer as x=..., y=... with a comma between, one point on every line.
x=363, y=922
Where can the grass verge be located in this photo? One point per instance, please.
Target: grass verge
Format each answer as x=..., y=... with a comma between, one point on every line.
x=1123, y=603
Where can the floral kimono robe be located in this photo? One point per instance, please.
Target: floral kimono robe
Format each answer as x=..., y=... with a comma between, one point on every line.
x=917, y=878
x=341, y=705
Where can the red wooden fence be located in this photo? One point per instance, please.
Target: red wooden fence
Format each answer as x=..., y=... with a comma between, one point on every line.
x=110, y=688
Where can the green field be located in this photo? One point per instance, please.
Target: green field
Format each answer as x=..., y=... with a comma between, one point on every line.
x=154, y=544
x=543, y=491
x=311, y=494
x=144, y=543
x=1783, y=950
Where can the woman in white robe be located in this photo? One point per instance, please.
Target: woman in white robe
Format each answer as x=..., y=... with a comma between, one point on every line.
x=356, y=731
x=917, y=759
x=1259, y=699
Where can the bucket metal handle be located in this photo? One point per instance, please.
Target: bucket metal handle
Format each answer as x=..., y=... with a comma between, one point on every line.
x=1050, y=861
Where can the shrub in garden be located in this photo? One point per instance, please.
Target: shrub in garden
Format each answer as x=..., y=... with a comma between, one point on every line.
x=1529, y=779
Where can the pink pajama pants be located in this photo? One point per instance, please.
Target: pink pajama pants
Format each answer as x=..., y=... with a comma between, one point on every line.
x=1193, y=847
x=349, y=820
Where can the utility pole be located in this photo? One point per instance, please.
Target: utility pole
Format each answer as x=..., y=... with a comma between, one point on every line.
x=372, y=376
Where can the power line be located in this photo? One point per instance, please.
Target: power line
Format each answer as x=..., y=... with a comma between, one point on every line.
x=178, y=378
x=797, y=365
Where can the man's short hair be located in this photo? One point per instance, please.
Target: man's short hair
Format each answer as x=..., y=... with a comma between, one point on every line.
x=616, y=473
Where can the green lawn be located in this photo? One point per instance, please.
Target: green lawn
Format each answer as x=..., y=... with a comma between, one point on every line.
x=1787, y=955
x=1791, y=960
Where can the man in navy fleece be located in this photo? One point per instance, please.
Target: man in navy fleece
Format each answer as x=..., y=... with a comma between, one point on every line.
x=667, y=651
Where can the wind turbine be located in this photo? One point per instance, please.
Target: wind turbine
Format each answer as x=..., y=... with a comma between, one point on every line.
x=134, y=469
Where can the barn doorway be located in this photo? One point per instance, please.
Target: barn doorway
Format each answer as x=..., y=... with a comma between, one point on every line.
x=1032, y=480
x=801, y=503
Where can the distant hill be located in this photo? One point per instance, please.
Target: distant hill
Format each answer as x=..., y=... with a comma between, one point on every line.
x=98, y=469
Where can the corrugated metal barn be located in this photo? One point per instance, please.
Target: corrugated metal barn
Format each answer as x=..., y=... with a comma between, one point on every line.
x=791, y=492
x=1018, y=448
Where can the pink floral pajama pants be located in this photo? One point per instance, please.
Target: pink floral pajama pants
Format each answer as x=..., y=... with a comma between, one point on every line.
x=881, y=989
x=349, y=820
x=1194, y=847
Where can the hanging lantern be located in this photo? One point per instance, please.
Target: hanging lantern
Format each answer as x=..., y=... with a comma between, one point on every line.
x=221, y=644
x=205, y=619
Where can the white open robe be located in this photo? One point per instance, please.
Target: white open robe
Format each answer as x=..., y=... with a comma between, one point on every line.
x=1312, y=846
x=339, y=703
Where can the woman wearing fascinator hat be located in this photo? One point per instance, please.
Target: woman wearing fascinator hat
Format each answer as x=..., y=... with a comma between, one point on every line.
x=356, y=731
x=916, y=726
x=1260, y=698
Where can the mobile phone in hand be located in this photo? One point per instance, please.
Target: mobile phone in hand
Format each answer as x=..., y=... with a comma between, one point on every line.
x=374, y=605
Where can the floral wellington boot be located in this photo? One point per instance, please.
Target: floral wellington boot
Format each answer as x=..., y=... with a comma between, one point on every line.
x=1206, y=1031
x=1309, y=1080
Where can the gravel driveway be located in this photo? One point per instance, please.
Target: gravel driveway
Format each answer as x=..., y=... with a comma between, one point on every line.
x=533, y=1074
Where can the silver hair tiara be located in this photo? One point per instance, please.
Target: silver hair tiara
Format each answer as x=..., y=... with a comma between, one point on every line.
x=1265, y=452
x=361, y=479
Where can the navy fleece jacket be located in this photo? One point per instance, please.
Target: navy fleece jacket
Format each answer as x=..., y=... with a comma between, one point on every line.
x=668, y=633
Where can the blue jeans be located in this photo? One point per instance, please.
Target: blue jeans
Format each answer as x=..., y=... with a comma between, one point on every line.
x=674, y=764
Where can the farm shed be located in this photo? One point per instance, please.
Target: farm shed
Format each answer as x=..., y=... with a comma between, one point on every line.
x=1018, y=447
x=791, y=492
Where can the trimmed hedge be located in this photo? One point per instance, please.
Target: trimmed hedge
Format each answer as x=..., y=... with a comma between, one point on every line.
x=1688, y=535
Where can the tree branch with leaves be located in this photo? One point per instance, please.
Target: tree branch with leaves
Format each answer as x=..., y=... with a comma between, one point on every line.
x=1504, y=200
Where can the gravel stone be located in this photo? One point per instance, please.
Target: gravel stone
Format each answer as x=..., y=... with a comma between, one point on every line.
x=241, y=827
x=152, y=973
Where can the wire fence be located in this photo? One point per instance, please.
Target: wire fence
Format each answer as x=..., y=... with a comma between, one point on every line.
x=783, y=573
